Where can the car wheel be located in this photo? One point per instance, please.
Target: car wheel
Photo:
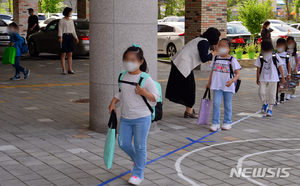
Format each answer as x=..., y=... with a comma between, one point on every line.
x=32, y=48
x=171, y=50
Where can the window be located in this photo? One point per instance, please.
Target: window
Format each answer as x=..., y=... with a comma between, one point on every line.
x=237, y=29
x=52, y=26
x=82, y=25
x=42, y=17
x=165, y=28
x=2, y=23
x=5, y=17
x=285, y=28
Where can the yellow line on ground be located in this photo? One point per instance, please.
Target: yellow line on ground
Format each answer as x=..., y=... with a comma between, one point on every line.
x=76, y=84
x=42, y=85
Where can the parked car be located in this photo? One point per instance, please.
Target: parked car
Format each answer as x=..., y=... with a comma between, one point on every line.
x=277, y=21
x=6, y=18
x=284, y=31
x=46, y=40
x=170, y=37
x=4, y=37
x=46, y=22
x=174, y=19
x=41, y=17
x=238, y=34
x=60, y=15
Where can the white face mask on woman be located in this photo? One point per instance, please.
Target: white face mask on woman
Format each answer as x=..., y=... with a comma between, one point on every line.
x=223, y=51
x=130, y=66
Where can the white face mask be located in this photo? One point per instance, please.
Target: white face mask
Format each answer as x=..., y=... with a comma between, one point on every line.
x=291, y=46
x=223, y=51
x=280, y=49
x=130, y=66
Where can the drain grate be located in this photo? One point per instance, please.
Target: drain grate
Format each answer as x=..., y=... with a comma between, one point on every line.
x=80, y=100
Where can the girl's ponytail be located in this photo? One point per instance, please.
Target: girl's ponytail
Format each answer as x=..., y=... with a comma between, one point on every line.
x=144, y=66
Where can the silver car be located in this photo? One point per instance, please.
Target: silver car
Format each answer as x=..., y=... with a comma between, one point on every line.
x=284, y=31
x=4, y=37
x=46, y=40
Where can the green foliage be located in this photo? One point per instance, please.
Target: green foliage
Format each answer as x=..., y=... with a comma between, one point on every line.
x=232, y=49
x=239, y=49
x=174, y=8
x=296, y=8
x=258, y=48
x=251, y=48
x=6, y=6
x=253, y=13
x=52, y=6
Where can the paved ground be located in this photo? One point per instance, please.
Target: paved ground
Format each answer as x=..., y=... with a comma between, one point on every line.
x=44, y=139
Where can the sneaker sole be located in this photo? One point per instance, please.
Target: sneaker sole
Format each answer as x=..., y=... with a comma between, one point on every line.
x=214, y=130
x=225, y=128
x=15, y=79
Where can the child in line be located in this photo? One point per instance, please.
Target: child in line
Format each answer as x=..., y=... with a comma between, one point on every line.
x=293, y=52
x=135, y=115
x=281, y=51
x=222, y=85
x=268, y=76
x=16, y=41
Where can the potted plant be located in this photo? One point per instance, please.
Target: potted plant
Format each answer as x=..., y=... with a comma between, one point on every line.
x=231, y=52
x=239, y=52
x=251, y=49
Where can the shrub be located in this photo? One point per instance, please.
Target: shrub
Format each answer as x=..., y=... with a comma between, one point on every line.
x=251, y=48
x=239, y=49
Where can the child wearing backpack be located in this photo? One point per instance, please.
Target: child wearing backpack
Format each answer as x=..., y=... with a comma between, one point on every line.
x=222, y=84
x=267, y=77
x=136, y=93
x=16, y=41
x=293, y=52
x=281, y=47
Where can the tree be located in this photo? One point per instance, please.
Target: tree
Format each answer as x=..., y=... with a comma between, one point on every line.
x=174, y=7
x=288, y=8
x=296, y=9
x=253, y=13
x=52, y=6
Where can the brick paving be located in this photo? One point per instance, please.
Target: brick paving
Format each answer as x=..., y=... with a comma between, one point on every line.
x=44, y=136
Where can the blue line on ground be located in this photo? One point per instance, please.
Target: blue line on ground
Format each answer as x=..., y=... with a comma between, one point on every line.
x=190, y=139
x=206, y=141
x=163, y=156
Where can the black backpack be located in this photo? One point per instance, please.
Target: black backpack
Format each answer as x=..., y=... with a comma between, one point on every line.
x=275, y=60
x=239, y=81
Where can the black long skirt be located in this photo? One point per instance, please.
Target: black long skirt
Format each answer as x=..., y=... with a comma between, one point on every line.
x=180, y=89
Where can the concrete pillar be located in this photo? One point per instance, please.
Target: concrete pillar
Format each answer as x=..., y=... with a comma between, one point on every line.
x=114, y=26
x=83, y=9
x=202, y=14
x=20, y=13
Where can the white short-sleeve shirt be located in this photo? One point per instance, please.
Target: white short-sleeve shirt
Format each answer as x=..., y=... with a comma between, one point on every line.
x=132, y=104
x=269, y=72
x=221, y=73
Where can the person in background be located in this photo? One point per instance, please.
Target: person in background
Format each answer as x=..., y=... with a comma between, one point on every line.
x=33, y=23
x=222, y=84
x=265, y=32
x=181, y=86
x=66, y=32
x=281, y=47
x=292, y=50
x=16, y=40
x=267, y=76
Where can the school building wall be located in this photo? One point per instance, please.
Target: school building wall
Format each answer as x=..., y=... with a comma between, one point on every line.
x=202, y=14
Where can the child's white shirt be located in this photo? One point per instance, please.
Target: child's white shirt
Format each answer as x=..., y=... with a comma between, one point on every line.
x=283, y=58
x=132, y=104
x=292, y=59
x=221, y=74
x=269, y=72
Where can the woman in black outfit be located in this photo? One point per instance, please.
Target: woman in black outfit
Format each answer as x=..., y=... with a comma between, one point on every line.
x=181, y=86
x=265, y=32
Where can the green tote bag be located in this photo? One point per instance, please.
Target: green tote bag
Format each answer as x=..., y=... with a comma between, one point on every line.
x=9, y=55
x=110, y=142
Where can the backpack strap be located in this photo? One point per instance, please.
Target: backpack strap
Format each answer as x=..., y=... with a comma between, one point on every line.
x=141, y=82
x=261, y=57
x=275, y=60
x=230, y=67
x=120, y=79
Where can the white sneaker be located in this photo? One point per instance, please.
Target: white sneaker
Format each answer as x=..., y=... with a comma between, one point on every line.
x=288, y=96
x=214, y=127
x=135, y=180
x=226, y=126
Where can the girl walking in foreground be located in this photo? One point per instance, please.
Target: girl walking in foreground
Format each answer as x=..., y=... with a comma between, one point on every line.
x=135, y=119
